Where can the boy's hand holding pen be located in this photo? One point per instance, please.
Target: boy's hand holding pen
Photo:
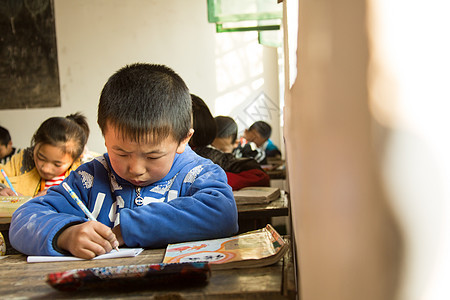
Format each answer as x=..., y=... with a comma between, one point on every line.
x=89, y=239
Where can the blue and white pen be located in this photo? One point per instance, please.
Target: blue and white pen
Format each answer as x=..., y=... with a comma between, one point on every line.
x=80, y=204
x=9, y=182
x=78, y=201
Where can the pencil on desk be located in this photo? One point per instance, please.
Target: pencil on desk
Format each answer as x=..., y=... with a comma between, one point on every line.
x=9, y=182
x=80, y=204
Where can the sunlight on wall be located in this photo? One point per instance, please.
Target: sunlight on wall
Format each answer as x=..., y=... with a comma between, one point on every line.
x=247, y=81
x=239, y=69
x=410, y=96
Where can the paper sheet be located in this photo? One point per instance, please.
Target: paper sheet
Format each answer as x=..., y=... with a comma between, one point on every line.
x=123, y=252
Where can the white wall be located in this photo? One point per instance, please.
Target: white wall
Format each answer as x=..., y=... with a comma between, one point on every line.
x=97, y=37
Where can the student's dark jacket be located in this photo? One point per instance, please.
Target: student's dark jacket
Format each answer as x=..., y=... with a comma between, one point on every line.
x=241, y=172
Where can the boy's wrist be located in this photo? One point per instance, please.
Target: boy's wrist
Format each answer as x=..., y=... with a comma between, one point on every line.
x=58, y=243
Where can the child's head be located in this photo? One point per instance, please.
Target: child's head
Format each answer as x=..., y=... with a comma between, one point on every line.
x=5, y=142
x=203, y=124
x=259, y=132
x=144, y=114
x=226, y=136
x=57, y=143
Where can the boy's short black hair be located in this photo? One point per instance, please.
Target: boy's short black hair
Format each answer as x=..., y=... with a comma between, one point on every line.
x=146, y=101
x=5, y=137
x=263, y=128
x=226, y=127
x=203, y=124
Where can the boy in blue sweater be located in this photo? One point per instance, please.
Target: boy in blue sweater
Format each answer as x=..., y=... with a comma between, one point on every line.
x=148, y=190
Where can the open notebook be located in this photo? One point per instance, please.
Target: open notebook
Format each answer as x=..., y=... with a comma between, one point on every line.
x=123, y=252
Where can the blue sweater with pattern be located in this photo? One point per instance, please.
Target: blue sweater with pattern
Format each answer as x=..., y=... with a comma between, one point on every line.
x=192, y=202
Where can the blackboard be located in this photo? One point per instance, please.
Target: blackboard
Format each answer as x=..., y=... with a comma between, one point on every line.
x=29, y=76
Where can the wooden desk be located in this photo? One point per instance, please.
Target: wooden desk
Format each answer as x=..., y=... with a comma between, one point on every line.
x=275, y=168
x=19, y=279
x=277, y=174
x=255, y=216
x=4, y=223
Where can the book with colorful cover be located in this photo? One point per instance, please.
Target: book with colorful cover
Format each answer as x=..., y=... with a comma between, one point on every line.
x=8, y=204
x=255, y=248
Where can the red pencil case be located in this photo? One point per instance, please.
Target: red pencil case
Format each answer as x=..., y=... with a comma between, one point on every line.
x=131, y=277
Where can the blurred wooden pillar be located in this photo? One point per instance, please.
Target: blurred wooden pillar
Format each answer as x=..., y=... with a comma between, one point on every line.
x=347, y=241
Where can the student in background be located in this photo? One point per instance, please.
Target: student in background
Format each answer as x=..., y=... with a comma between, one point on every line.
x=256, y=143
x=55, y=150
x=150, y=189
x=262, y=131
x=6, y=146
x=226, y=136
x=240, y=172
